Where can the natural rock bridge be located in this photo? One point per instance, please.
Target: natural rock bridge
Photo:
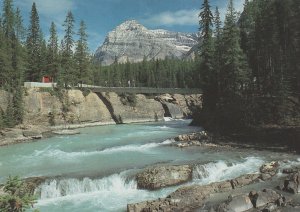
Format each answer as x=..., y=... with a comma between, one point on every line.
x=137, y=90
x=144, y=90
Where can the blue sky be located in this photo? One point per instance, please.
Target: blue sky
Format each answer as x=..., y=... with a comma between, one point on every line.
x=101, y=16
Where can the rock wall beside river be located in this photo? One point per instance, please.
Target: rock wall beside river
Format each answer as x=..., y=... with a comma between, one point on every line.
x=44, y=108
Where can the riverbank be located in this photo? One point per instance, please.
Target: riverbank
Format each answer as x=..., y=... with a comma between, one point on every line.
x=46, y=111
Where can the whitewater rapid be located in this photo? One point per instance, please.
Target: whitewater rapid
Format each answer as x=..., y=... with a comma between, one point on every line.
x=119, y=189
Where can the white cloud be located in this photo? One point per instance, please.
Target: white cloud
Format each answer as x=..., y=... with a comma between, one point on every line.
x=186, y=17
x=168, y=18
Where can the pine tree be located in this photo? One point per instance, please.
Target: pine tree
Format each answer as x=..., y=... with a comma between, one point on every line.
x=19, y=28
x=34, y=46
x=82, y=56
x=207, y=72
x=217, y=49
x=52, y=50
x=235, y=72
x=206, y=53
x=8, y=18
x=68, y=76
x=234, y=76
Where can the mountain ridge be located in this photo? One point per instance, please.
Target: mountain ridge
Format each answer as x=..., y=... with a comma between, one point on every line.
x=131, y=41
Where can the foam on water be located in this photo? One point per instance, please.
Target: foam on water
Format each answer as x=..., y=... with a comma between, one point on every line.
x=107, y=194
x=59, y=154
x=168, y=119
x=219, y=171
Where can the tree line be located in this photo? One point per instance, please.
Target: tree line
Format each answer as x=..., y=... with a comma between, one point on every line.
x=25, y=55
x=249, y=67
x=168, y=73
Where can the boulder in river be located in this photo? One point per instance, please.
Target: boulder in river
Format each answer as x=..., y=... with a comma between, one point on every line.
x=244, y=180
x=163, y=176
x=265, y=197
x=237, y=204
x=291, y=184
x=270, y=168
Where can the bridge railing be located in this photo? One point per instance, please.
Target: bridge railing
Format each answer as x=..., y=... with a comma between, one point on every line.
x=138, y=90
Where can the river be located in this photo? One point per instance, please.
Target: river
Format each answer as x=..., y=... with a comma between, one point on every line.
x=94, y=170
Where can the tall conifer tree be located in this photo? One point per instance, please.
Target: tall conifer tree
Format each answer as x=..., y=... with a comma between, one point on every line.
x=68, y=76
x=82, y=55
x=52, y=49
x=34, y=46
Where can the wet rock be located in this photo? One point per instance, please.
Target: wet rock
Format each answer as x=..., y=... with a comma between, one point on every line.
x=32, y=134
x=201, y=136
x=165, y=98
x=238, y=203
x=191, y=197
x=290, y=170
x=291, y=184
x=265, y=197
x=265, y=177
x=244, y=180
x=270, y=168
x=182, y=145
x=33, y=182
x=270, y=207
x=163, y=176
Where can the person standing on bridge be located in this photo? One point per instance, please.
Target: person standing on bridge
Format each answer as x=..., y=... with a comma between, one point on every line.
x=129, y=83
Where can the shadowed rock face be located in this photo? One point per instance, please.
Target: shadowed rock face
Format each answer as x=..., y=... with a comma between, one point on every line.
x=132, y=41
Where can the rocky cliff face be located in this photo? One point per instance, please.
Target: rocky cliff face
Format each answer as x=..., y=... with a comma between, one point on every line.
x=132, y=41
x=141, y=110
x=41, y=106
x=44, y=108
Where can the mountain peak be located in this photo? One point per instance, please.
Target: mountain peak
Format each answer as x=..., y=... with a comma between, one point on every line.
x=131, y=41
x=131, y=25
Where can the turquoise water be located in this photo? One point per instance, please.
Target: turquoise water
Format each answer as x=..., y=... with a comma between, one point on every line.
x=93, y=171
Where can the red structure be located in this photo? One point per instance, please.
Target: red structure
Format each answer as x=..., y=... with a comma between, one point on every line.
x=47, y=79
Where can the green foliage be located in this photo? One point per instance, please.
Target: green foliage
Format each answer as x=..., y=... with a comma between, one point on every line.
x=85, y=91
x=34, y=45
x=254, y=74
x=82, y=57
x=17, y=198
x=67, y=75
x=52, y=53
x=167, y=73
x=51, y=119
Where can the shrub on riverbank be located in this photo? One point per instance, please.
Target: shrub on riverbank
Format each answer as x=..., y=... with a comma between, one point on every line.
x=16, y=197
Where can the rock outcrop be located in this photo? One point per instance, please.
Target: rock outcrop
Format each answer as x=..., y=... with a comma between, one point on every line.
x=191, y=197
x=178, y=105
x=291, y=183
x=139, y=110
x=133, y=42
x=163, y=176
x=40, y=107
